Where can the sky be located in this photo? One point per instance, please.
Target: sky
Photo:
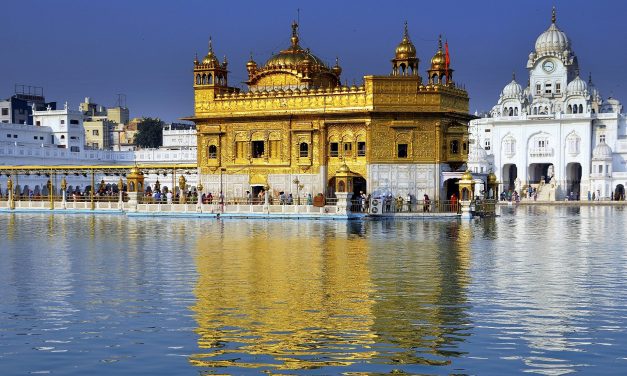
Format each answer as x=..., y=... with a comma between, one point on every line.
x=145, y=48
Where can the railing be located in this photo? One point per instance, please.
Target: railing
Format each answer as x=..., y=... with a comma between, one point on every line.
x=420, y=206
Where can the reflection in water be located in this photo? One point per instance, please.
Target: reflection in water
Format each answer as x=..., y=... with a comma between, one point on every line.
x=536, y=290
x=300, y=302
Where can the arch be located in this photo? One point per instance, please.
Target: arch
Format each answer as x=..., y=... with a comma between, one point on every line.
x=198, y=79
x=454, y=147
x=580, y=108
x=204, y=79
x=619, y=193
x=209, y=79
x=515, y=111
x=575, y=109
x=570, y=109
x=535, y=110
x=212, y=152
x=304, y=150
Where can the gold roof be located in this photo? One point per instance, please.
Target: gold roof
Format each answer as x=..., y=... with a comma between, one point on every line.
x=294, y=55
x=406, y=48
x=467, y=175
x=438, y=62
x=491, y=177
x=211, y=58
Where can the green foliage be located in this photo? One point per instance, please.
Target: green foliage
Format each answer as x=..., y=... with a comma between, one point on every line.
x=149, y=133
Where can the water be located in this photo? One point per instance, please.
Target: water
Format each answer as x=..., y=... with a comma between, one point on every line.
x=538, y=290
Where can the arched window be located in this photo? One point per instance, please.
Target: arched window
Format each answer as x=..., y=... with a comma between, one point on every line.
x=209, y=79
x=212, y=152
x=581, y=109
x=304, y=150
x=570, y=109
x=454, y=147
x=198, y=79
x=515, y=111
x=204, y=79
x=575, y=109
x=511, y=111
x=535, y=110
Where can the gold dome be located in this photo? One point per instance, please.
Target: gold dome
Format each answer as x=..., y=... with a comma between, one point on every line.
x=406, y=48
x=467, y=175
x=294, y=55
x=211, y=58
x=344, y=169
x=491, y=178
x=438, y=61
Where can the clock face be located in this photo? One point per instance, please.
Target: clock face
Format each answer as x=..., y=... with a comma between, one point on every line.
x=548, y=66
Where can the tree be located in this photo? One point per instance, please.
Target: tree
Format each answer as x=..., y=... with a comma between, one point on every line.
x=149, y=133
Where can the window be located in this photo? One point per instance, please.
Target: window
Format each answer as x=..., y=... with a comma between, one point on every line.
x=538, y=89
x=542, y=143
x=62, y=121
x=34, y=137
x=258, y=149
x=95, y=132
x=275, y=148
x=72, y=137
x=74, y=121
x=304, y=150
x=96, y=145
x=548, y=88
x=487, y=145
x=348, y=149
x=8, y=135
x=602, y=138
x=454, y=147
x=464, y=145
x=558, y=88
x=600, y=169
x=334, y=149
x=63, y=137
x=5, y=111
x=38, y=123
x=361, y=149
x=401, y=150
x=14, y=136
x=213, y=152
x=239, y=149
x=74, y=149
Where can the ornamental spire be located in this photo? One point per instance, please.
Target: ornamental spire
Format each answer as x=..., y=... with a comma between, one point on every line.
x=513, y=76
x=440, y=42
x=294, y=38
x=405, y=32
x=210, y=45
x=553, y=17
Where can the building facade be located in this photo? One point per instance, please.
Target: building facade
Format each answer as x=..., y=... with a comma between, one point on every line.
x=557, y=136
x=296, y=125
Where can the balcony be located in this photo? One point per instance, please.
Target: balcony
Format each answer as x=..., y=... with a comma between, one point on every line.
x=541, y=152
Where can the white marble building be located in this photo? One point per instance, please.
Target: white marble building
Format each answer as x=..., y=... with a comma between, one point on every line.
x=557, y=135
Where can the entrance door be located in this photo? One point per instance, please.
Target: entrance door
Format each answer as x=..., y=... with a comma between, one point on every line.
x=540, y=171
x=510, y=173
x=573, y=181
x=255, y=190
x=619, y=193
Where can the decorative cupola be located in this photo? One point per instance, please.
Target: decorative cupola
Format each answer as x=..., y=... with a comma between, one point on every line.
x=337, y=70
x=405, y=62
x=251, y=66
x=209, y=72
x=440, y=72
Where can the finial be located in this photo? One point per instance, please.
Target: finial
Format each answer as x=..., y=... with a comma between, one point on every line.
x=251, y=56
x=589, y=78
x=337, y=61
x=577, y=72
x=210, y=45
x=440, y=42
x=405, y=33
x=553, y=17
x=513, y=76
x=294, y=38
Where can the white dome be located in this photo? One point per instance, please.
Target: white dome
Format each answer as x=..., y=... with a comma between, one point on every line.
x=551, y=42
x=512, y=90
x=577, y=86
x=478, y=155
x=602, y=151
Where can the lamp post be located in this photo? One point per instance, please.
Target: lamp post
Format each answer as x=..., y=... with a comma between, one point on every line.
x=63, y=192
x=222, y=169
x=199, y=188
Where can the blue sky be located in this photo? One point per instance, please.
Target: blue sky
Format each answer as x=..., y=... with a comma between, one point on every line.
x=145, y=49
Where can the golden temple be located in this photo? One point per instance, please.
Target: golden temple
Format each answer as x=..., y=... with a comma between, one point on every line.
x=297, y=124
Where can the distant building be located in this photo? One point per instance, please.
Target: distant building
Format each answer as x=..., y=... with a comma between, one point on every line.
x=103, y=125
x=18, y=109
x=179, y=136
x=66, y=126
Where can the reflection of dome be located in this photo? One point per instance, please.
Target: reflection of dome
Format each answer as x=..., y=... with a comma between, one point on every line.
x=552, y=41
x=602, y=151
x=512, y=90
x=576, y=86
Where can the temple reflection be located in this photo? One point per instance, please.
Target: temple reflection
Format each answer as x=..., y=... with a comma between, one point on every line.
x=298, y=302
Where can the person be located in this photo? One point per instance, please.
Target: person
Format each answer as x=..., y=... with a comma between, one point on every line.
x=309, y=199
x=399, y=203
x=221, y=198
x=427, y=203
x=282, y=198
x=290, y=199
x=362, y=198
x=408, y=202
x=368, y=198
x=249, y=198
x=210, y=198
x=169, y=197
x=260, y=196
x=454, y=202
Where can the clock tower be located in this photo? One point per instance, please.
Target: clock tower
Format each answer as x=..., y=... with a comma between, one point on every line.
x=551, y=65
